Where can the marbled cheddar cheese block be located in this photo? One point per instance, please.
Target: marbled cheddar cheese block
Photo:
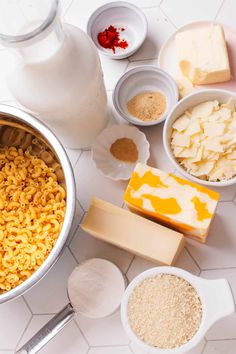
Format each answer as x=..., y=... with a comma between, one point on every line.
x=183, y=205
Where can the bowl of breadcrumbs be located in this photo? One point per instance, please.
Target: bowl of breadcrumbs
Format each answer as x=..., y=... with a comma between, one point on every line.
x=166, y=309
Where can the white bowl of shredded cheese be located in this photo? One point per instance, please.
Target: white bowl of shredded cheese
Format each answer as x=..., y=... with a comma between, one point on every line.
x=199, y=137
x=166, y=310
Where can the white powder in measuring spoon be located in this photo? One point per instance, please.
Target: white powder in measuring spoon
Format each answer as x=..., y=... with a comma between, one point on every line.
x=95, y=288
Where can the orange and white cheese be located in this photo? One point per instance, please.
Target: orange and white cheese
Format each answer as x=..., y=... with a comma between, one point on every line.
x=183, y=205
x=203, y=140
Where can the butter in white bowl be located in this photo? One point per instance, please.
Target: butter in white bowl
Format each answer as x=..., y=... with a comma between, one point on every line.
x=202, y=55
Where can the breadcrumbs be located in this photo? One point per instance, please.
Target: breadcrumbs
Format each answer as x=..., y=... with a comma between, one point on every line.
x=165, y=311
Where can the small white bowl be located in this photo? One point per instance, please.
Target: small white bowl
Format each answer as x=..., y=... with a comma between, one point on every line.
x=215, y=295
x=143, y=79
x=120, y=14
x=184, y=104
x=107, y=163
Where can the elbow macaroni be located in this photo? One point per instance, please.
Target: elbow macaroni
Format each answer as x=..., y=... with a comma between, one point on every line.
x=32, y=210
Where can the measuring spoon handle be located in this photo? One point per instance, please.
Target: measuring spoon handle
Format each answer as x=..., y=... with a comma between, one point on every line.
x=46, y=333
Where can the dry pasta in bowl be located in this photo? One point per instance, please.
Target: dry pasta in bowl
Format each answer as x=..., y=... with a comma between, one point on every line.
x=32, y=210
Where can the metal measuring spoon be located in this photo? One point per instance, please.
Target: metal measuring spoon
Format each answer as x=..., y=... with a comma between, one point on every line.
x=95, y=289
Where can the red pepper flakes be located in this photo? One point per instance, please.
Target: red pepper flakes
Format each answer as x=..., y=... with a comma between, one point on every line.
x=110, y=39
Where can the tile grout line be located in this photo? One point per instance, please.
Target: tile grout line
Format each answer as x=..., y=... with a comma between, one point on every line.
x=7, y=350
x=71, y=253
x=80, y=330
x=109, y=345
x=80, y=153
x=167, y=17
x=138, y=60
x=131, y=262
x=222, y=339
x=27, y=305
x=131, y=349
x=234, y=196
x=80, y=217
x=83, y=335
x=194, y=260
x=78, y=158
x=73, y=236
x=66, y=10
x=216, y=269
x=81, y=206
x=219, y=340
x=219, y=9
x=205, y=344
x=125, y=69
x=45, y=314
x=26, y=327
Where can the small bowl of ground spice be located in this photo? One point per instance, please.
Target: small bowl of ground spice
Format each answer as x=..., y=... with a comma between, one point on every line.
x=166, y=310
x=118, y=149
x=118, y=29
x=144, y=95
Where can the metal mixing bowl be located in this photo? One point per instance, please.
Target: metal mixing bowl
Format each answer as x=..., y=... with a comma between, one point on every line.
x=19, y=128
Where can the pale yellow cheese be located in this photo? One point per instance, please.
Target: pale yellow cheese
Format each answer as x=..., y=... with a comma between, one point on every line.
x=185, y=86
x=203, y=109
x=132, y=232
x=202, y=55
x=182, y=123
x=203, y=140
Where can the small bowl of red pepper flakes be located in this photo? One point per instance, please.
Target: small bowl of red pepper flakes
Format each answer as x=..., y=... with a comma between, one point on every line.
x=118, y=29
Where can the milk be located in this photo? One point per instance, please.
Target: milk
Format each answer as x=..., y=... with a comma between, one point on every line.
x=59, y=78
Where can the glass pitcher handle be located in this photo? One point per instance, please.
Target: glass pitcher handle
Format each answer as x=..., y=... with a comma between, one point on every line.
x=47, y=332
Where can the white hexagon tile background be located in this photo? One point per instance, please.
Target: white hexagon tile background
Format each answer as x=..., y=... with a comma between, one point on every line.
x=21, y=318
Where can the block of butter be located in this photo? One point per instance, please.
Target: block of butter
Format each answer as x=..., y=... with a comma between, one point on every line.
x=133, y=233
x=180, y=204
x=202, y=55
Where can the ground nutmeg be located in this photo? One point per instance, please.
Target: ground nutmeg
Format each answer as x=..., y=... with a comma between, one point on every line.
x=124, y=149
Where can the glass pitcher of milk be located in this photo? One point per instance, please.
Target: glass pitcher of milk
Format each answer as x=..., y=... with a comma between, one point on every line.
x=57, y=72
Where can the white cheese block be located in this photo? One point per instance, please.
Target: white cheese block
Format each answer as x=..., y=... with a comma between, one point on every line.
x=133, y=233
x=202, y=55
